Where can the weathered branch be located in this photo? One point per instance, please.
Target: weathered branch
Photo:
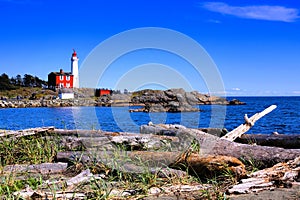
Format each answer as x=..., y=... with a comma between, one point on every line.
x=249, y=122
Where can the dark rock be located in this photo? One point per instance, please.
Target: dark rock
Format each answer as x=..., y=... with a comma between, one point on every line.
x=215, y=131
x=236, y=102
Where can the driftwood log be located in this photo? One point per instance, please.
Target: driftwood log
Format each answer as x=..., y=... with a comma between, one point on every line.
x=109, y=142
x=212, y=145
x=136, y=161
x=290, y=141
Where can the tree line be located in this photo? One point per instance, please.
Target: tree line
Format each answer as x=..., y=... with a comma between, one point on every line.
x=10, y=83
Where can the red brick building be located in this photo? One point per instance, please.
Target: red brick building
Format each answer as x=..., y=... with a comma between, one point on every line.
x=60, y=79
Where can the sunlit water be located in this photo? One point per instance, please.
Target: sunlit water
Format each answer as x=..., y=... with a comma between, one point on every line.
x=284, y=119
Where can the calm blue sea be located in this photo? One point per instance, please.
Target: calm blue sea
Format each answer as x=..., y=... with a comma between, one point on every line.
x=285, y=119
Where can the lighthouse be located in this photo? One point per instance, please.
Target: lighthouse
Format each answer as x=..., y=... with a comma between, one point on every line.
x=74, y=69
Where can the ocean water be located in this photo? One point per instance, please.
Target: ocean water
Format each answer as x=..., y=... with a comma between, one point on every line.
x=284, y=119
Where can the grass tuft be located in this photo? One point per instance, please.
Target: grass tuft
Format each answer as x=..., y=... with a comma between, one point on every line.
x=29, y=150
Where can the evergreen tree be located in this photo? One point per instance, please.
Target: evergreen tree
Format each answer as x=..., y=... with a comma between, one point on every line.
x=28, y=80
x=19, y=80
x=5, y=83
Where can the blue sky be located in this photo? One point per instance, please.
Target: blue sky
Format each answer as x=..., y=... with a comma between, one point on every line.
x=255, y=44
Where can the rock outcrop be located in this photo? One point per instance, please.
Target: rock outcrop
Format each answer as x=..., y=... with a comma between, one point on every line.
x=236, y=102
x=175, y=100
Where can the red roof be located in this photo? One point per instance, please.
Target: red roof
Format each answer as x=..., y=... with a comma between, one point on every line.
x=74, y=53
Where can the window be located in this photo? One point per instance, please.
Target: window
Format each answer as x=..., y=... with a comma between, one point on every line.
x=68, y=85
x=61, y=77
x=61, y=85
x=67, y=78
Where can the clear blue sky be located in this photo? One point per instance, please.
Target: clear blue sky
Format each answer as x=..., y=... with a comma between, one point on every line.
x=255, y=44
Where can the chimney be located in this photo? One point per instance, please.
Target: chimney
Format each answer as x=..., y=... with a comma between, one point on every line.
x=61, y=71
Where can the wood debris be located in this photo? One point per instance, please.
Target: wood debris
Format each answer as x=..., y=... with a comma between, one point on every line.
x=280, y=175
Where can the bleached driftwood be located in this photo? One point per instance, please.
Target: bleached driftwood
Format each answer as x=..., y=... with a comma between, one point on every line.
x=111, y=142
x=26, y=132
x=30, y=194
x=43, y=168
x=281, y=174
x=249, y=122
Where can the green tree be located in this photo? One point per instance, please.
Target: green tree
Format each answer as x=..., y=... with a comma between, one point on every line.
x=19, y=80
x=39, y=82
x=5, y=83
x=28, y=80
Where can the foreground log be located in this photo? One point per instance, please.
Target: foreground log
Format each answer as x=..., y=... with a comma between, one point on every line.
x=136, y=161
x=212, y=145
x=249, y=122
x=110, y=142
x=210, y=165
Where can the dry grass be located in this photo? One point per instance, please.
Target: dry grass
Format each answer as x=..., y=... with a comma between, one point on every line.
x=27, y=92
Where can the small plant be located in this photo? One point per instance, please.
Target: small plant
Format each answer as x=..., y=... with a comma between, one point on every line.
x=228, y=177
x=251, y=164
x=215, y=192
x=195, y=146
x=29, y=150
x=9, y=184
x=99, y=190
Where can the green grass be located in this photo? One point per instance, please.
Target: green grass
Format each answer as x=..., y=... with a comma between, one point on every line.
x=26, y=150
x=26, y=92
x=9, y=184
x=29, y=150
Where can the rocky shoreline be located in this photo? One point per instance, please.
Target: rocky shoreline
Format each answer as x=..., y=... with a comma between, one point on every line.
x=172, y=100
x=46, y=103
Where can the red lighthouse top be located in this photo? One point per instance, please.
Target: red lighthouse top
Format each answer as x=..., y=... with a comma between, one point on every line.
x=74, y=53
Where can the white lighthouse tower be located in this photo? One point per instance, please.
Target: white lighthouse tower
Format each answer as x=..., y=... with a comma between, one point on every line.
x=74, y=69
